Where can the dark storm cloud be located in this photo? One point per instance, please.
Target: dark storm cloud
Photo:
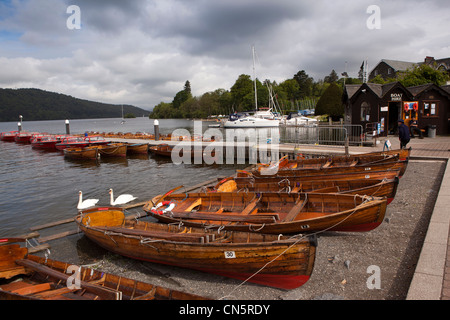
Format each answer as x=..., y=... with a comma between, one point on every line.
x=142, y=52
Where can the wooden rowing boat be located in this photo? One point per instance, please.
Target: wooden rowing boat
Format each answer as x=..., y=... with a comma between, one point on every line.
x=113, y=150
x=161, y=150
x=27, y=277
x=272, y=260
x=403, y=154
x=370, y=187
x=137, y=148
x=391, y=165
x=268, y=212
x=326, y=162
x=81, y=153
x=370, y=174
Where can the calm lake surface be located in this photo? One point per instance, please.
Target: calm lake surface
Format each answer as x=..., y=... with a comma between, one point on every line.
x=38, y=187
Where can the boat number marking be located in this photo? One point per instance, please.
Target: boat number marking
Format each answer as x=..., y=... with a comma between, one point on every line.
x=305, y=226
x=367, y=169
x=230, y=255
x=367, y=176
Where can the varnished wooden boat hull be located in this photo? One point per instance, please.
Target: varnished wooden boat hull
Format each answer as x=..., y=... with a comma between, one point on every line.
x=273, y=213
x=280, y=262
x=166, y=151
x=137, y=148
x=113, y=150
x=81, y=153
x=28, y=277
x=403, y=154
x=328, y=162
x=369, y=187
x=299, y=172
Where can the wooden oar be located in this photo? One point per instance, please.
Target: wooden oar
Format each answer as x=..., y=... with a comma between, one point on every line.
x=103, y=292
x=162, y=197
x=11, y=240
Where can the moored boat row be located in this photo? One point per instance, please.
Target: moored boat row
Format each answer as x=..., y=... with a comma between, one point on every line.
x=258, y=225
x=275, y=208
x=76, y=146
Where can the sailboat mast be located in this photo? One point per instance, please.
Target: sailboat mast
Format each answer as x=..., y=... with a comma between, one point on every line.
x=254, y=78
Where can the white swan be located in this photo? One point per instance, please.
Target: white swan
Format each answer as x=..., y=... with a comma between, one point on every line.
x=86, y=203
x=122, y=199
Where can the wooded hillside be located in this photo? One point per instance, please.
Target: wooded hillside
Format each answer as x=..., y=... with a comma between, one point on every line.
x=36, y=104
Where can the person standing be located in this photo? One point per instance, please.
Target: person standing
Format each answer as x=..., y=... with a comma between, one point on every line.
x=403, y=134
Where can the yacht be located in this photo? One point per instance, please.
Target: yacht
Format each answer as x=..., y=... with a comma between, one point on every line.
x=245, y=120
x=259, y=119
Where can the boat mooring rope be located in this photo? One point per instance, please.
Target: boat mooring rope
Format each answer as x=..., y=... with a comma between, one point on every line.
x=301, y=237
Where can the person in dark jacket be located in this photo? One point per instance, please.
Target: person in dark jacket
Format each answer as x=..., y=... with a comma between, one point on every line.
x=403, y=134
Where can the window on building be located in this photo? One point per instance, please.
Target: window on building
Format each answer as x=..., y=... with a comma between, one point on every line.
x=365, y=111
x=430, y=108
x=389, y=70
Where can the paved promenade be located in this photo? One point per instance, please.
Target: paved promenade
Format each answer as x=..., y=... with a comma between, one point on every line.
x=431, y=279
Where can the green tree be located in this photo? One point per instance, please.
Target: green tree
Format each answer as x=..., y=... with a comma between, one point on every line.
x=291, y=89
x=241, y=92
x=332, y=77
x=162, y=111
x=305, y=84
x=331, y=102
x=182, y=95
x=423, y=74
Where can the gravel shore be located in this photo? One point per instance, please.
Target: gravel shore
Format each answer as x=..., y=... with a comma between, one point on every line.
x=345, y=266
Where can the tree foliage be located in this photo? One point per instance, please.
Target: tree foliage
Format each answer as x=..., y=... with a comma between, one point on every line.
x=331, y=102
x=297, y=93
x=423, y=74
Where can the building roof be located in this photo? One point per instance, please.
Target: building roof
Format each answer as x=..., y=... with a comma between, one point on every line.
x=399, y=65
x=382, y=89
x=446, y=88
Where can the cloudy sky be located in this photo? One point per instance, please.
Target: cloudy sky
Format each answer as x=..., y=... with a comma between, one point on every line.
x=141, y=52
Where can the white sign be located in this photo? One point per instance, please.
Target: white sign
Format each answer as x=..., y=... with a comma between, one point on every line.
x=230, y=255
x=396, y=96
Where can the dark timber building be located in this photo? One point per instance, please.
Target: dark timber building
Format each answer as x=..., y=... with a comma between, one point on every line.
x=381, y=106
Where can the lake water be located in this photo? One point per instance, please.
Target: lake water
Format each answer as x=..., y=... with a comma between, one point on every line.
x=38, y=187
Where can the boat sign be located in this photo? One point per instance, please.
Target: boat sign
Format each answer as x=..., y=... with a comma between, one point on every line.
x=230, y=255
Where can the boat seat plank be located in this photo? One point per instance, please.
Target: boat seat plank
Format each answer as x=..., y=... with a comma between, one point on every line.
x=51, y=294
x=31, y=289
x=250, y=207
x=294, y=211
x=197, y=202
x=259, y=218
x=159, y=234
x=11, y=272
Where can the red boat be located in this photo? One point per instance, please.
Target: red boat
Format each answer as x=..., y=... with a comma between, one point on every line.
x=23, y=137
x=72, y=142
x=8, y=136
x=47, y=142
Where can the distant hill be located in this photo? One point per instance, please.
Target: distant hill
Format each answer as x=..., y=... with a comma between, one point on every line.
x=36, y=104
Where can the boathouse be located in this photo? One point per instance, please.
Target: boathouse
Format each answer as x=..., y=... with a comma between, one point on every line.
x=380, y=106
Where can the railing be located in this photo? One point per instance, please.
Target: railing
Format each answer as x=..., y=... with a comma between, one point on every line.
x=329, y=135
